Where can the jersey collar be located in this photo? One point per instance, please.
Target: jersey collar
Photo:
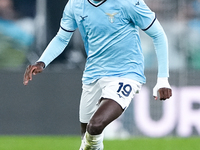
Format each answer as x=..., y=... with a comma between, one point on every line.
x=96, y=3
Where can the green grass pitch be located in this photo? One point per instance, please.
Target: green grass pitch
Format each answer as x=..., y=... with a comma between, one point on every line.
x=73, y=143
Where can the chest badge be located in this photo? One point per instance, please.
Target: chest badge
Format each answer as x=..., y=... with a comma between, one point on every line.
x=111, y=16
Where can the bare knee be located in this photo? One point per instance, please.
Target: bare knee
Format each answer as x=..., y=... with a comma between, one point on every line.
x=95, y=127
x=108, y=111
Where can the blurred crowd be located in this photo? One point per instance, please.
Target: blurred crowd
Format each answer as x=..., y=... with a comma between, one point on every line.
x=16, y=32
x=179, y=18
x=181, y=21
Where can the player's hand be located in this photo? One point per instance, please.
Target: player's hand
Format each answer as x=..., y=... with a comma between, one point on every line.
x=32, y=70
x=163, y=88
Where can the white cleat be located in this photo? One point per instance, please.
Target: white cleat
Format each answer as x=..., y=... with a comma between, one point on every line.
x=88, y=147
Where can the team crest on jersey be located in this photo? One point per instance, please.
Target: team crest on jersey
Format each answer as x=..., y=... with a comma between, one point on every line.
x=111, y=16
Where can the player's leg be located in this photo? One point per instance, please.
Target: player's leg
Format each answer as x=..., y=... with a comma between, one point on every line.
x=117, y=94
x=83, y=128
x=108, y=111
x=88, y=105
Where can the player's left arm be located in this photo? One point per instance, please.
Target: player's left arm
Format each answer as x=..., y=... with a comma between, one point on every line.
x=141, y=15
x=156, y=32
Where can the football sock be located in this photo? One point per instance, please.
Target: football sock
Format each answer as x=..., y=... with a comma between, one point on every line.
x=92, y=142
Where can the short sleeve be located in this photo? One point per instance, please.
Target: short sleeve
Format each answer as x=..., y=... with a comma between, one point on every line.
x=68, y=22
x=140, y=14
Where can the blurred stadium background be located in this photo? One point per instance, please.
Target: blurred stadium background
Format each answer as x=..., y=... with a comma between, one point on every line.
x=49, y=104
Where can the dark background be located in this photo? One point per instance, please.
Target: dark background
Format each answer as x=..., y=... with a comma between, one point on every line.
x=48, y=105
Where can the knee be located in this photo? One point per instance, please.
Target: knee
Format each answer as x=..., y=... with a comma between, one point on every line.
x=95, y=127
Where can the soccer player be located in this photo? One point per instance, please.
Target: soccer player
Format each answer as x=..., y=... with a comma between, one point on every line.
x=114, y=70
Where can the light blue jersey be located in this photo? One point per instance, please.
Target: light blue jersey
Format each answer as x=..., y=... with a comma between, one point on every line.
x=110, y=32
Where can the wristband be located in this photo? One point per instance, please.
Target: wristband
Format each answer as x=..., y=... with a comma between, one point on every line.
x=161, y=83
